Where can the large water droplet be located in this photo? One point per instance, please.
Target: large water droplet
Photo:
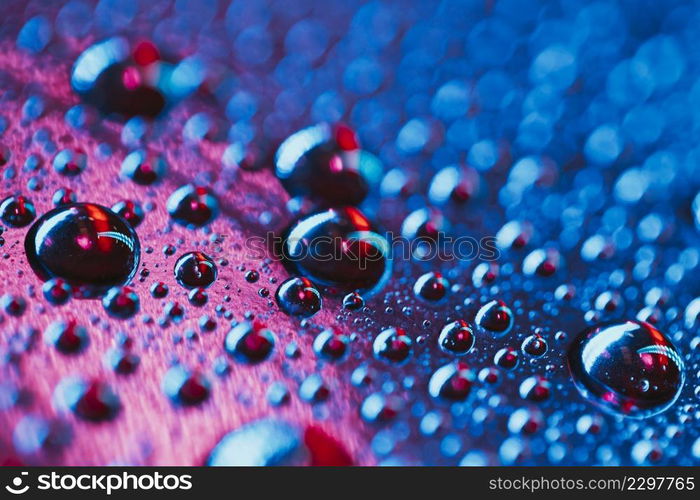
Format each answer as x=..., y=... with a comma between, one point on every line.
x=87, y=245
x=610, y=364
x=338, y=248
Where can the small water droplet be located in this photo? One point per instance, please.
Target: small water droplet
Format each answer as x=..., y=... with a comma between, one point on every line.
x=195, y=270
x=495, y=317
x=299, y=297
x=392, y=345
x=249, y=343
x=456, y=338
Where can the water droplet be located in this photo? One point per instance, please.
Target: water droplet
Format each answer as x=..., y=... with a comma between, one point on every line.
x=353, y=302
x=299, y=297
x=451, y=382
x=130, y=210
x=380, y=408
x=313, y=389
x=495, y=317
x=70, y=162
x=67, y=337
x=159, y=290
x=608, y=361
x=195, y=270
x=338, y=248
x=87, y=245
x=249, y=343
x=185, y=388
x=534, y=345
x=326, y=163
x=535, y=388
x=144, y=169
x=431, y=287
x=456, y=338
x=13, y=305
x=198, y=297
x=393, y=345
x=506, y=358
x=57, y=291
x=121, y=302
x=542, y=262
x=252, y=276
x=193, y=205
x=331, y=346
x=118, y=80
x=64, y=196
x=261, y=443
x=91, y=400
x=121, y=360
x=17, y=211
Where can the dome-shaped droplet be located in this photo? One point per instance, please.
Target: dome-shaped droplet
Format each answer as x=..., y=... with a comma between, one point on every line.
x=392, y=345
x=70, y=162
x=506, y=358
x=57, y=291
x=119, y=79
x=299, y=297
x=353, y=301
x=326, y=164
x=249, y=343
x=452, y=382
x=184, y=387
x=260, y=443
x=628, y=368
x=431, y=287
x=331, y=345
x=89, y=399
x=143, y=168
x=456, y=338
x=67, y=337
x=87, y=245
x=121, y=302
x=534, y=345
x=193, y=205
x=195, y=270
x=339, y=249
x=130, y=210
x=542, y=262
x=17, y=211
x=495, y=317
